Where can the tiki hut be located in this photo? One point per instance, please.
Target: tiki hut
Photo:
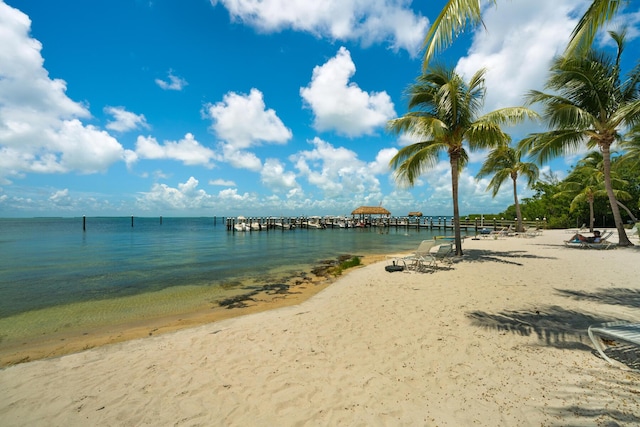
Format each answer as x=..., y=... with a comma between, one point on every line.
x=371, y=210
x=418, y=214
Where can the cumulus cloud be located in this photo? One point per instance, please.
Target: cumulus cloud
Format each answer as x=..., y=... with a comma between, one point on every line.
x=335, y=171
x=124, y=121
x=274, y=176
x=341, y=105
x=187, y=150
x=367, y=21
x=230, y=118
x=186, y=196
x=174, y=82
x=517, y=46
x=40, y=127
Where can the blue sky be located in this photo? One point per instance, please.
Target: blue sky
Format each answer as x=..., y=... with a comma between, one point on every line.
x=239, y=107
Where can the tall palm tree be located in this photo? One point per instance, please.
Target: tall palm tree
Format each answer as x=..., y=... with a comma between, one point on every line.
x=505, y=162
x=445, y=113
x=589, y=104
x=586, y=182
x=457, y=15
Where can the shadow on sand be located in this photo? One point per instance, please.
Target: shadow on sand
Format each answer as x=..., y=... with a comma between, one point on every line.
x=567, y=329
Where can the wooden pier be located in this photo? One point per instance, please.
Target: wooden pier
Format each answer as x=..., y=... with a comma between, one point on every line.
x=444, y=224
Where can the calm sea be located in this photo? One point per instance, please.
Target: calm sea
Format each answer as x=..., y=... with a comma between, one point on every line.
x=54, y=275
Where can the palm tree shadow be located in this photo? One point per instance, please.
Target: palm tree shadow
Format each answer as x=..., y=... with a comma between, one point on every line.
x=503, y=257
x=553, y=325
x=613, y=296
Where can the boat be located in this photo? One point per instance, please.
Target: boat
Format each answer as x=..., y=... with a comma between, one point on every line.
x=241, y=224
x=314, y=222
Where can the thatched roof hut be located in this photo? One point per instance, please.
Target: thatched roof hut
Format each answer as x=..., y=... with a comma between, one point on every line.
x=415, y=214
x=371, y=210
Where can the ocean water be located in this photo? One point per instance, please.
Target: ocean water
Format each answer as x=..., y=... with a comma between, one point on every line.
x=54, y=275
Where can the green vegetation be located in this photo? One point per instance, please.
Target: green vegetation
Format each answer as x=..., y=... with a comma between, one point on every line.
x=344, y=265
x=588, y=103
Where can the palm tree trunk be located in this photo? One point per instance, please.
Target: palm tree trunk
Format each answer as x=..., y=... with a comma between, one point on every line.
x=623, y=240
x=519, y=227
x=592, y=216
x=631, y=215
x=456, y=212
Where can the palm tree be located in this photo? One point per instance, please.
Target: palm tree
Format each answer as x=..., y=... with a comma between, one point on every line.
x=586, y=182
x=457, y=15
x=505, y=162
x=589, y=104
x=444, y=114
x=631, y=148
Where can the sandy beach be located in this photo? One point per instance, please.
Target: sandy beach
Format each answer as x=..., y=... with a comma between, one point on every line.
x=499, y=339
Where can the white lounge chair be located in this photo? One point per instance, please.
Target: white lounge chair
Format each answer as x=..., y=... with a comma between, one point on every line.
x=625, y=332
x=419, y=257
x=443, y=254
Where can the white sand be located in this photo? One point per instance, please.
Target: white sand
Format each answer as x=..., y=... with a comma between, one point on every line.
x=499, y=340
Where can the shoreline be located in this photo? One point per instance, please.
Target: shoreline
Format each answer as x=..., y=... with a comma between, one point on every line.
x=300, y=288
x=499, y=338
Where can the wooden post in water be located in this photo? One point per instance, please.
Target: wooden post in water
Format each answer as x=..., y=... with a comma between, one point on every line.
x=84, y=223
x=131, y=221
x=160, y=219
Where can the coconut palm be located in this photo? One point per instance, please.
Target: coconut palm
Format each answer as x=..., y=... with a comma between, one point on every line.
x=445, y=113
x=586, y=182
x=457, y=15
x=505, y=162
x=631, y=148
x=588, y=104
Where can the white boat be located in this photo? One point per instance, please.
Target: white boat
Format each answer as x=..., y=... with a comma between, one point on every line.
x=256, y=226
x=241, y=224
x=314, y=222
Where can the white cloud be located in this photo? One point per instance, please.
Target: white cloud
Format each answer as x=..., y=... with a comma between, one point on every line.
x=61, y=198
x=274, y=176
x=188, y=150
x=40, y=130
x=232, y=116
x=368, y=21
x=174, y=83
x=125, y=120
x=222, y=182
x=186, y=196
x=517, y=46
x=335, y=171
x=341, y=105
x=381, y=164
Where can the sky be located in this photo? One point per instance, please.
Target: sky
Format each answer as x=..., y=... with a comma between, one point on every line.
x=246, y=107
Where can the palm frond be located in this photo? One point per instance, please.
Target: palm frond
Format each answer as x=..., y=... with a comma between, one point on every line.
x=454, y=18
x=413, y=160
x=600, y=12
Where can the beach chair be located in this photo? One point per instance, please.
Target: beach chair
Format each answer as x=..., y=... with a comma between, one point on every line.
x=444, y=254
x=582, y=229
x=416, y=260
x=620, y=332
x=503, y=232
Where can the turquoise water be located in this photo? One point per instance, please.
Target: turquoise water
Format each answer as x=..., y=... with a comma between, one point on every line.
x=48, y=263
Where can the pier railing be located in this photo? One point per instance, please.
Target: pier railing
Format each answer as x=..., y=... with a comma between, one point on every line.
x=445, y=224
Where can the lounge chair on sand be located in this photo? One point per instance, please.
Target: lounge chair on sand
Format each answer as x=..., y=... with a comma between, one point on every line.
x=419, y=257
x=619, y=332
x=602, y=244
x=443, y=254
